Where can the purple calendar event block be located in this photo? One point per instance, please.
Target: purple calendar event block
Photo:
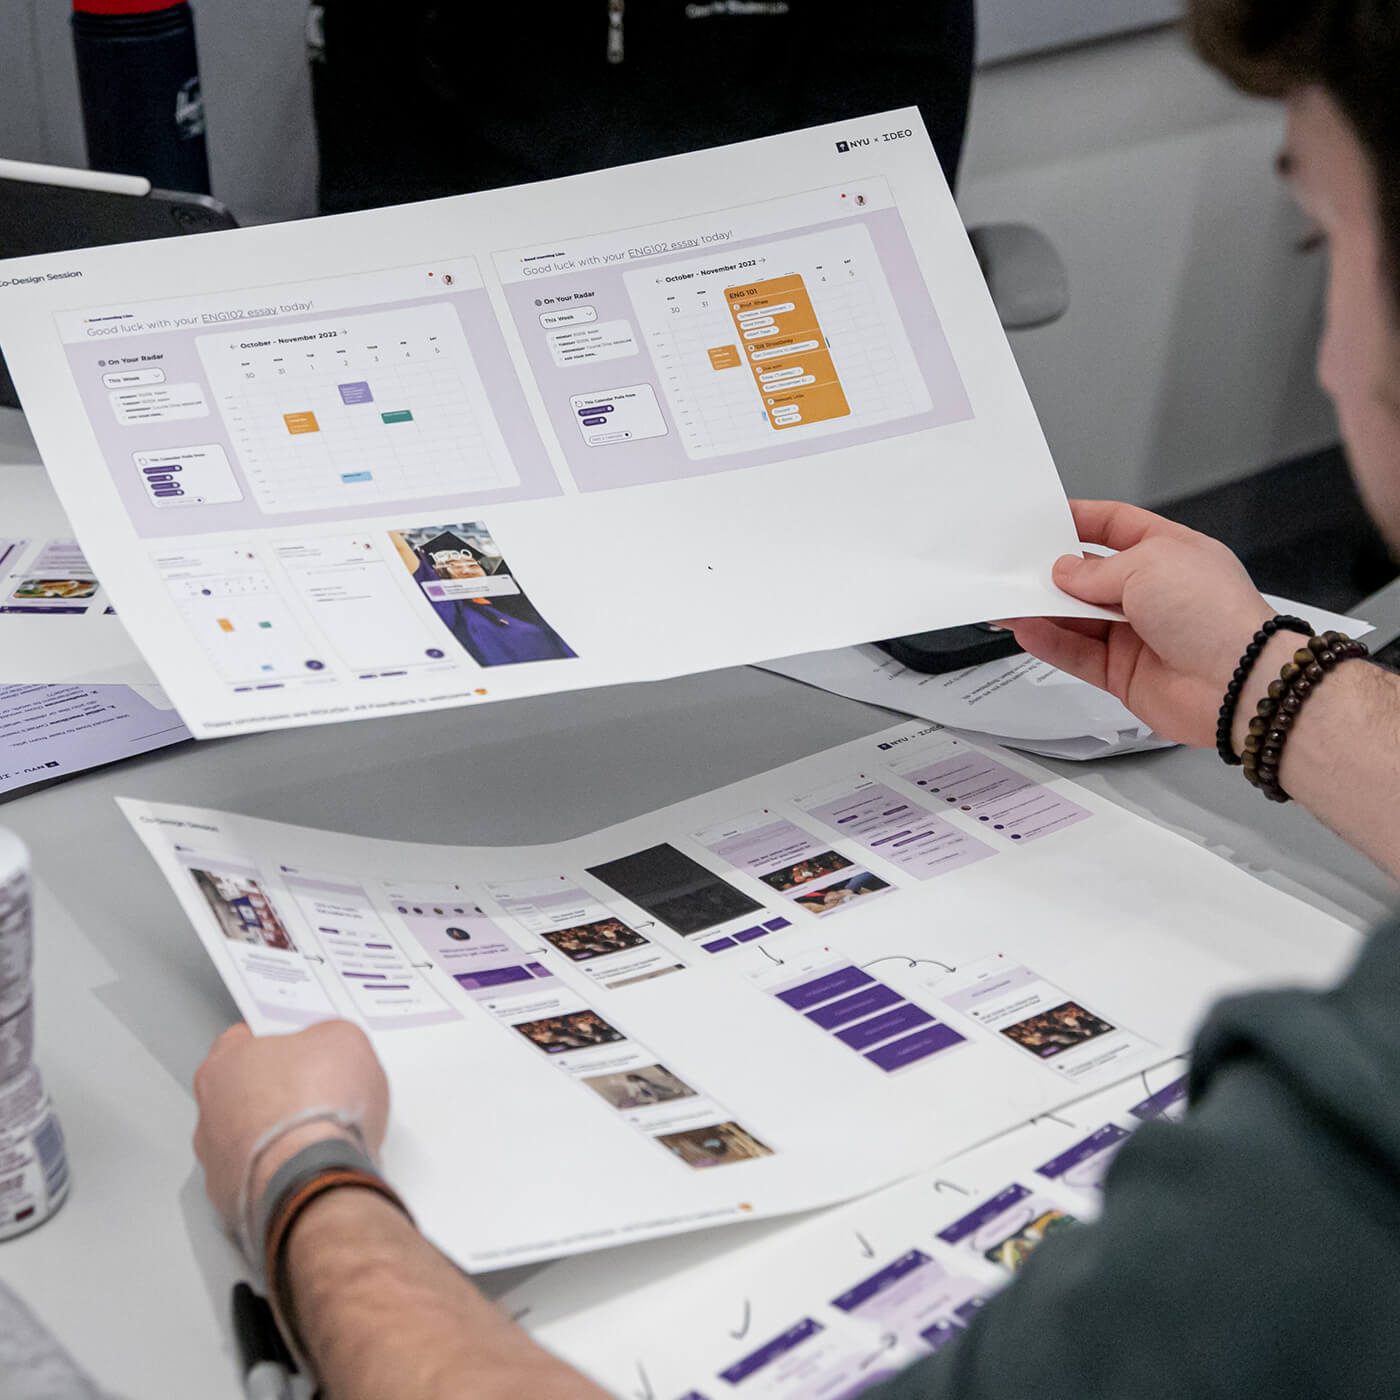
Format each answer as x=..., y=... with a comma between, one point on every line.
x=357, y=392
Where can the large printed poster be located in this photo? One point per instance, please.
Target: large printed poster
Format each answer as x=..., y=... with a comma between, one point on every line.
x=714, y=409
x=764, y=999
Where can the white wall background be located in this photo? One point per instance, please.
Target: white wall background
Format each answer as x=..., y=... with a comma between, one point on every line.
x=1011, y=28
x=1186, y=357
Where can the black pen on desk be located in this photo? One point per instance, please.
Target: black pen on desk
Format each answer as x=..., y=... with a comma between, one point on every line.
x=266, y=1362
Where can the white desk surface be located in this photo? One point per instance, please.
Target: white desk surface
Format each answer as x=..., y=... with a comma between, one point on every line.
x=132, y=1273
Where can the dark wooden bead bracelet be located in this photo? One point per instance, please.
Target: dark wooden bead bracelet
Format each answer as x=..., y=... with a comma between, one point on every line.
x=1284, y=622
x=1277, y=711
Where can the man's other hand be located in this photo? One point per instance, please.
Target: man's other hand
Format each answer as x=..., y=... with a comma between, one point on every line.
x=250, y=1085
x=1191, y=610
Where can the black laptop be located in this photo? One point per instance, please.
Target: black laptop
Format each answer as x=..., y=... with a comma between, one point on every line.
x=51, y=209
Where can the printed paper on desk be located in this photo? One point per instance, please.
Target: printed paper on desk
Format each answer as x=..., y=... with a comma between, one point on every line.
x=678, y=1313
x=57, y=623
x=1017, y=700
x=762, y=1000
x=632, y=424
x=54, y=731
x=877, y=1283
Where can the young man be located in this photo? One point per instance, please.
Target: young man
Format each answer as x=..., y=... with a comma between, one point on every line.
x=1252, y=1250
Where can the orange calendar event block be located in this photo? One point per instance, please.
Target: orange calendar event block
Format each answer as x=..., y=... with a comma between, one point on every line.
x=787, y=352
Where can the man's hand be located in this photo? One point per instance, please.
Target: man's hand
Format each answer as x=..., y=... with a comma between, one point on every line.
x=248, y=1085
x=379, y=1310
x=1191, y=610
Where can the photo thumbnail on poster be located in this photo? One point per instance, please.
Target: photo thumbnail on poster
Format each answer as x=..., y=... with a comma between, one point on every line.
x=638, y=1088
x=1061, y=1028
x=55, y=589
x=56, y=581
x=794, y=880
x=1012, y=1252
x=572, y=920
x=1006, y=1228
x=242, y=910
x=583, y=942
x=575, y=1030
x=804, y=871
x=840, y=892
x=715, y=1146
x=469, y=585
x=678, y=891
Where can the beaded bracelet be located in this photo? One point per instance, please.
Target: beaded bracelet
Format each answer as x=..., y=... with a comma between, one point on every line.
x=1278, y=710
x=1284, y=622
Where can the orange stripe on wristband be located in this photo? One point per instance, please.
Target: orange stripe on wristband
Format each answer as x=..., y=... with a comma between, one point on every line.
x=279, y=1229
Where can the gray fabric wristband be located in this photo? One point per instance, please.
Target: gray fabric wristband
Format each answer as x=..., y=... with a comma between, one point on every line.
x=312, y=1161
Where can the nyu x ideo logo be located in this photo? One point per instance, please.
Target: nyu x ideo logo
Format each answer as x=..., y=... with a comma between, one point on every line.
x=25, y=772
x=905, y=738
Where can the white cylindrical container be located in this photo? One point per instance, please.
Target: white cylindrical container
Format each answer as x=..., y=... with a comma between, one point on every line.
x=33, y=1163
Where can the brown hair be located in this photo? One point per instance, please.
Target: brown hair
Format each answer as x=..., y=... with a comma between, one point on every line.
x=1349, y=48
